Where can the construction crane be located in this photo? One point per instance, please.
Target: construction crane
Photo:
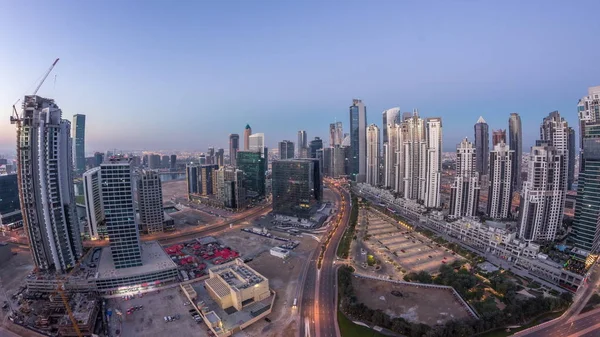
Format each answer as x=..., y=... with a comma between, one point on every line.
x=15, y=116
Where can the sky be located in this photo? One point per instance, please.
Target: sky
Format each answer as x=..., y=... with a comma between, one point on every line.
x=183, y=75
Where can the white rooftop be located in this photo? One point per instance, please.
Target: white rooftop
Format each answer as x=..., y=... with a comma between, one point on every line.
x=154, y=258
x=480, y=120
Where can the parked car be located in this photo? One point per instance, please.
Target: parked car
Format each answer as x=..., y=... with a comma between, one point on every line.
x=268, y=319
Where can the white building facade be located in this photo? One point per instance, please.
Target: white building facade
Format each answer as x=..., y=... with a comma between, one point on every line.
x=373, y=155
x=464, y=195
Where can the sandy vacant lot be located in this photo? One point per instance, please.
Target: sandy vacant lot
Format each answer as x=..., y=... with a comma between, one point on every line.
x=424, y=305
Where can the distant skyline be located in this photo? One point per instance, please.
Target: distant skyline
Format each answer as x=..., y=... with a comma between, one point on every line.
x=158, y=75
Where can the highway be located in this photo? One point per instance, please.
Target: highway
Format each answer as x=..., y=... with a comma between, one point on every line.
x=318, y=312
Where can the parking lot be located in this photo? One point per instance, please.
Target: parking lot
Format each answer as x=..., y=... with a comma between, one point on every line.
x=150, y=321
x=412, y=251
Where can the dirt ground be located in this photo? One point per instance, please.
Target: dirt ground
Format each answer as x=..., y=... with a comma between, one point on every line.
x=412, y=251
x=191, y=217
x=424, y=305
x=174, y=189
x=283, y=278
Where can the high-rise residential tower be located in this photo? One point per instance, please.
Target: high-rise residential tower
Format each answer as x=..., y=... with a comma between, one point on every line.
x=482, y=145
x=247, y=133
x=414, y=158
x=116, y=180
x=286, y=149
x=571, y=141
x=501, y=182
x=332, y=134
x=150, y=201
x=192, y=174
x=92, y=191
x=542, y=201
x=45, y=177
x=220, y=157
x=79, y=142
x=339, y=133
x=434, y=163
x=515, y=142
x=358, y=140
x=373, y=155
x=234, y=146
x=302, y=142
x=391, y=118
x=464, y=195
x=498, y=136
x=173, y=162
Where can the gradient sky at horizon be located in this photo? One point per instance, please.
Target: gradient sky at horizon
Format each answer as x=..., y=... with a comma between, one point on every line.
x=183, y=75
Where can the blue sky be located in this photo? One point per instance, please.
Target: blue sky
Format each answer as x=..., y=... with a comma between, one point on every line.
x=185, y=74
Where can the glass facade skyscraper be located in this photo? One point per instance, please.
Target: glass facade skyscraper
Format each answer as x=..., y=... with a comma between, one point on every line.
x=121, y=224
x=9, y=199
x=294, y=187
x=358, y=141
x=587, y=207
x=253, y=165
x=515, y=143
x=482, y=146
x=79, y=142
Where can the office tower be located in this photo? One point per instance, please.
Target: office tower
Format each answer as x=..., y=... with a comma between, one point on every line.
x=286, y=149
x=332, y=134
x=327, y=161
x=150, y=201
x=587, y=206
x=202, y=159
x=414, y=157
x=544, y=192
x=45, y=162
x=247, y=133
x=98, y=158
x=230, y=186
x=588, y=110
x=234, y=146
x=210, y=156
x=358, y=140
x=154, y=161
x=391, y=118
x=302, y=142
x=96, y=225
x=192, y=174
x=208, y=179
x=515, y=142
x=571, y=160
x=79, y=142
x=253, y=165
x=165, y=162
x=395, y=155
x=482, y=145
x=145, y=160
x=373, y=155
x=220, y=157
x=256, y=142
x=119, y=212
x=498, y=136
x=136, y=161
x=10, y=207
x=434, y=162
x=294, y=187
x=173, y=162
x=315, y=145
x=501, y=182
x=338, y=167
x=339, y=133
x=109, y=154
x=464, y=194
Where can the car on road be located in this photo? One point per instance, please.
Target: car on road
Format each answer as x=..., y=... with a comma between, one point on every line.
x=268, y=319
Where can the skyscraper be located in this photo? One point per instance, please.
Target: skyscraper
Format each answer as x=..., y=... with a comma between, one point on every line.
x=302, y=142
x=588, y=110
x=542, y=202
x=220, y=157
x=515, y=141
x=414, y=158
x=165, y=162
x=208, y=179
x=339, y=133
x=434, y=163
x=286, y=149
x=294, y=187
x=338, y=168
x=150, y=201
x=79, y=138
x=315, y=145
x=464, y=195
x=247, y=133
x=327, y=162
x=587, y=206
x=210, y=155
x=230, y=186
x=498, y=136
x=256, y=142
x=10, y=207
x=92, y=191
x=373, y=155
x=121, y=223
x=253, y=165
x=391, y=119
x=501, y=183
x=332, y=134
x=482, y=145
x=173, y=163
x=153, y=161
x=45, y=162
x=234, y=146
x=358, y=140
x=571, y=161
x=192, y=174
x=98, y=158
